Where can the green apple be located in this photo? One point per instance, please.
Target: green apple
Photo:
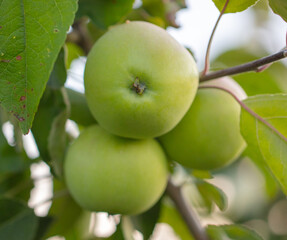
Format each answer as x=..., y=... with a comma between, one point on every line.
x=108, y=173
x=208, y=137
x=139, y=81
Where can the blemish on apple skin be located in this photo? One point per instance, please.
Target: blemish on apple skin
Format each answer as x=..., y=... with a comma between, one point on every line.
x=18, y=58
x=22, y=98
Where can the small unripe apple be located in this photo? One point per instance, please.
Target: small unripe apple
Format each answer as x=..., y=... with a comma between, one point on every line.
x=107, y=173
x=208, y=137
x=139, y=81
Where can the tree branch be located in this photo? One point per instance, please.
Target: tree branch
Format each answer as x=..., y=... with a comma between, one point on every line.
x=187, y=213
x=247, y=67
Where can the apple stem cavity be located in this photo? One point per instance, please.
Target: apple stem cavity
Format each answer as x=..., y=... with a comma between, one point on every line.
x=138, y=87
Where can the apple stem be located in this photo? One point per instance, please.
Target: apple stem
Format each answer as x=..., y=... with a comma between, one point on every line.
x=206, y=66
x=247, y=67
x=250, y=111
x=188, y=214
x=138, y=87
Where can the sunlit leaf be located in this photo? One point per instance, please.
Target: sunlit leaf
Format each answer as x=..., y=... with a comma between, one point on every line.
x=31, y=35
x=260, y=138
x=279, y=7
x=234, y=5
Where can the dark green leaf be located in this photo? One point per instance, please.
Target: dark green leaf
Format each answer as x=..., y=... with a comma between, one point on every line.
x=104, y=13
x=17, y=221
x=261, y=139
x=80, y=112
x=231, y=232
x=146, y=221
x=57, y=140
x=212, y=194
x=31, y=35
x=234, y=5
x=59, y=74
x=49, y=126
x=279, y=7
x=44, y=224
x=10, y=160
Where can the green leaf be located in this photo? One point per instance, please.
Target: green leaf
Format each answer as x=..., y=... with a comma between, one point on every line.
x=10, y=160
x=49, y=124
x=272, y=80
x=43, y=226
x=170, y=215
x=59, y=74
x=17, y=221
x=65, y=212
x=212, y=194
x=161, y=13
x=31, y=35
x=261, y=139
x=234, y=5
x=201, y=174
x=271, y=185
x=80, y=112
x=57, y=139
x=73, y=52
x=231, y=232
x=145, y=222
x=49, y=128
x=279, y=7
x=104, y=13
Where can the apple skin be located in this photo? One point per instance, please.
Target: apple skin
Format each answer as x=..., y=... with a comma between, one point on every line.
x=108, y=173
x=134, y=56
x=208, y=137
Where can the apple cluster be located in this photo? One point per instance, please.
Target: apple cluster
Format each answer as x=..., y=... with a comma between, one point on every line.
x=141, y=86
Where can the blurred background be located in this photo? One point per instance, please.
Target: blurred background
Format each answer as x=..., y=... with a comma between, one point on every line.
x=252, y=194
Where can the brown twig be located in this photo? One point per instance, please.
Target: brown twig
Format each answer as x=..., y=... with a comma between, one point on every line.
x=250, y=111
x=187, y=213
x=80, y=35
x=247, y=67
x=206, y=66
